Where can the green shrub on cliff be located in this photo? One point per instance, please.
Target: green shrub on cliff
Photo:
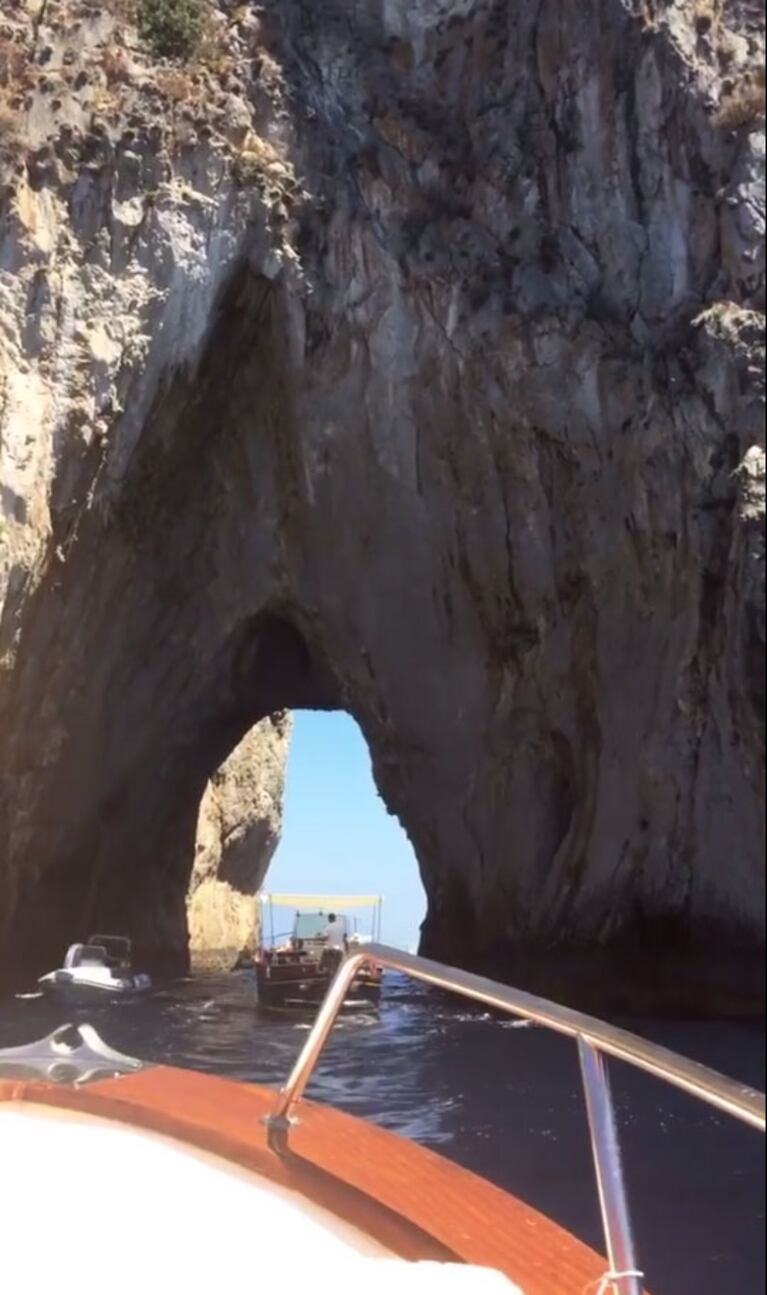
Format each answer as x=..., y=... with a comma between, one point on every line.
x=171, y=28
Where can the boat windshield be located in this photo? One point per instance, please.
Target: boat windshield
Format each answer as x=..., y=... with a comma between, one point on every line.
x=116, y=946
x=311, y=926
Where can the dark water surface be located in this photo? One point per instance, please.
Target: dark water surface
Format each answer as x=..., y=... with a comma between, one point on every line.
x=499, y=1099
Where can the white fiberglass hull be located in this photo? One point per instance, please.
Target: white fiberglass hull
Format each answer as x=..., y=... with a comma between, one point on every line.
x=250, y=1223
x=93, y=981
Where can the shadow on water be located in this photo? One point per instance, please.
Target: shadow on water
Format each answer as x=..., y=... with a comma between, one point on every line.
x=499, y=1098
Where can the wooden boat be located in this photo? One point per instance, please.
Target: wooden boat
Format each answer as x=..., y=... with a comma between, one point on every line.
x=294, y=970
x=220, y=1183
x=103, y=964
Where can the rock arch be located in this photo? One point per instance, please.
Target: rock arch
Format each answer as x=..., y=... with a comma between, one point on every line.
x=430, y=393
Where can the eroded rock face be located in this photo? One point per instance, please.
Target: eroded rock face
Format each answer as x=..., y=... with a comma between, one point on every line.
x=461, y=431
x=237, y=833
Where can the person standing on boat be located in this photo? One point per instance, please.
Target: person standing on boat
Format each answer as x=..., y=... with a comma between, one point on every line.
x=335, y=940
x=335, y=932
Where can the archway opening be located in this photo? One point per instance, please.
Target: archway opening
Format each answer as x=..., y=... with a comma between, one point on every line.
x=338, y=836
x=295, y=795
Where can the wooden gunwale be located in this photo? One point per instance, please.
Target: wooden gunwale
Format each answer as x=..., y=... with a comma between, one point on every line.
x=408, y=1198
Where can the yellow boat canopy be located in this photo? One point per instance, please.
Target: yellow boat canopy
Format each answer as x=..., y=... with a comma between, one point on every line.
x=323, y=901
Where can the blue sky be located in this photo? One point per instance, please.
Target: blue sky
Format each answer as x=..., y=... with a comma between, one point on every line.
x=337, y=836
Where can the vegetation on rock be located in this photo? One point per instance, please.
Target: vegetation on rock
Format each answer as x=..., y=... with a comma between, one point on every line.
x=172, y=28
x=744, y=104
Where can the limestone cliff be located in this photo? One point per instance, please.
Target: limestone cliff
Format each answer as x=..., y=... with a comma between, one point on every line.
x=402, y=357
x=237, y=832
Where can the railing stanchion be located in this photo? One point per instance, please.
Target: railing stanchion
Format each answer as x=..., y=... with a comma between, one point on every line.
x=299, y=1076
x=605, y=1149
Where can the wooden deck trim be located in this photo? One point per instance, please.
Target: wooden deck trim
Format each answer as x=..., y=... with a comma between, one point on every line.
x=408, y=1198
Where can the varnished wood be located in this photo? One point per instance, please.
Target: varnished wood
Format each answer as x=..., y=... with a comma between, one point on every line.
x=413, y=1201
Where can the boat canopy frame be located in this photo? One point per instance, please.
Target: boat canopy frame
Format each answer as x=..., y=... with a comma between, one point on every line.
x=321, y=904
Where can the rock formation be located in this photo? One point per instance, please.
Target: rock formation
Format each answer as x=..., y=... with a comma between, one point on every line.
x=237, y=831
x=403, y=358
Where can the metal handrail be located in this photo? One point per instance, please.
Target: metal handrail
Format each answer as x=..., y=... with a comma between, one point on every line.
x=596, y=1039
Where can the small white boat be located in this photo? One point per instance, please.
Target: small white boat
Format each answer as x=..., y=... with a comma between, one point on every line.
x=104, y=963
